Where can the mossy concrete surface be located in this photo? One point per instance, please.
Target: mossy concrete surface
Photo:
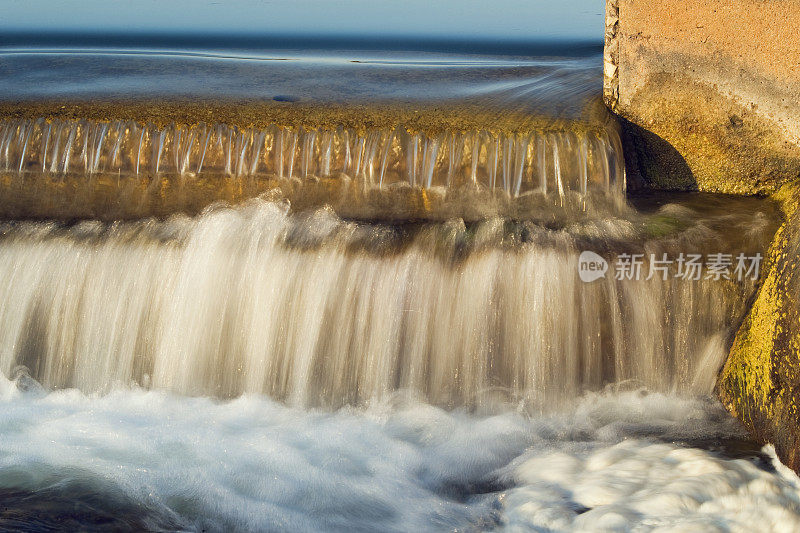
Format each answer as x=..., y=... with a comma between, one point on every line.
x=708, y=92
x=760, y=382
x=430, y=118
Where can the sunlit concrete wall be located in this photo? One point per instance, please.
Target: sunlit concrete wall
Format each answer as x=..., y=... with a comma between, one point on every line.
x=711, y=90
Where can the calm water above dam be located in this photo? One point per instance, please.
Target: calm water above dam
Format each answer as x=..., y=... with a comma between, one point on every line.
x=277, y=289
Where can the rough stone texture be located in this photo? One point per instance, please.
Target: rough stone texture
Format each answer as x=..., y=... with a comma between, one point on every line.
x=760, y=382
x=611, y=56
x=709, y=91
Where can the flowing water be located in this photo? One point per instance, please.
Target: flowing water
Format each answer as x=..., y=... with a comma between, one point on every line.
x=313, y=309
x=516, y=163
x=299, y=326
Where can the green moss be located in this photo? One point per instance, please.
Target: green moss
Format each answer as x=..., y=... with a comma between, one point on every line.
x=659, y=226
x=760, y=382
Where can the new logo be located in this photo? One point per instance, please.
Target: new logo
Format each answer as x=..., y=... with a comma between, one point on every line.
x=591, y=266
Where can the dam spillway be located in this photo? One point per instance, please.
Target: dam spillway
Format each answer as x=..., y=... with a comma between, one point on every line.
x=295, y=314
x=271, y=297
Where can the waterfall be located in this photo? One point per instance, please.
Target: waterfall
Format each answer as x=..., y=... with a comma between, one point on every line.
x=581, y=161
x=314, y=310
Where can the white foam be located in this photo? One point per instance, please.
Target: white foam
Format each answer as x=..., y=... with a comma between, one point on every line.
x=647, y=486
x=254, y=464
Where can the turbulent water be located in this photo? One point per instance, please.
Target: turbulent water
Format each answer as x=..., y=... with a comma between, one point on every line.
x=316, y=310
x=572, y=405
x=285, y=328
x=149, y=460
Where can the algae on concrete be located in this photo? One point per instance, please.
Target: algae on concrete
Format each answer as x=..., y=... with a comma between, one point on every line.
x=760, y=382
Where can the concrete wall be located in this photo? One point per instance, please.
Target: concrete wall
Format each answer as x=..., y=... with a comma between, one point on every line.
x=709, y=90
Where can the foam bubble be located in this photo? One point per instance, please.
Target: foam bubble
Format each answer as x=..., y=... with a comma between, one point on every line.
x=617, y=460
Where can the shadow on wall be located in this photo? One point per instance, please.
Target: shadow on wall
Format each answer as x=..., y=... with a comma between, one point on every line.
x=681, y=135
x=651, y=162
